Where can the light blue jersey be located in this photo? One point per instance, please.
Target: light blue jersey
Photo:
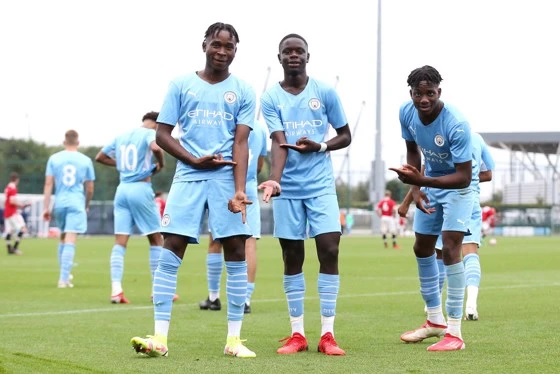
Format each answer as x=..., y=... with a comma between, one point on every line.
x=482, y=160
x=444, y=142
x=134, y=203
x=257, y=148
x=70, y=169
x=309, y=113
x=132, y=153
x=207, y=116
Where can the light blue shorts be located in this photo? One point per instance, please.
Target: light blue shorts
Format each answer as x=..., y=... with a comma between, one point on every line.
x=475, y=226
x=135, y=205
x=453, y=210
x=186, y=206
x=71, y=219
x=295, y=219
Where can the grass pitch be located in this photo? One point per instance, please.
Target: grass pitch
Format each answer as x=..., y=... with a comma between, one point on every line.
x=49, y=330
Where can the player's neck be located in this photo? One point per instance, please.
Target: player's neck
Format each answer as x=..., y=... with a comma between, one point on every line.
x=295, y=84
x=213, y=77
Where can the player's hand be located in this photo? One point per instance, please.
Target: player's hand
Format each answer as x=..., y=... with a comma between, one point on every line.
x=303, y=145
x=408, y=174
x=402, y=210
x=213, y=161
x=271, y=188
x=47, y=215
x=238, y=204
x=422, y=202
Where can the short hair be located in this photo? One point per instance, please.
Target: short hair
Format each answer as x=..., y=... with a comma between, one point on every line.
x=292, y=35
x=424, y=73
x=71, y=137
x=14, y=176
x=216, y=27
x=152, y=115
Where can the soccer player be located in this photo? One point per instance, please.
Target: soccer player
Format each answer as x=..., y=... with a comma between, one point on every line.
x=215, y=111
x=298, y=111
x=71, y=174
x=136, y=157
x=482, y=166
x=488, y=220
x=214, y=259
x=386, y=209
x=443, y=200
x=14, y=222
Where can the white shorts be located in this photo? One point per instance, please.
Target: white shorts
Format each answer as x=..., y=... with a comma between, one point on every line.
x=388, y=225
x=14, y=224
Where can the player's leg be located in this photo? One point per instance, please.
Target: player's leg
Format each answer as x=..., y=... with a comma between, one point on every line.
x=123, y=228
x=214, y=267
x=118, y=252
x=471, y=260
x=254, y=221
x=228, y=228
x=323, y=222
x=290, y=227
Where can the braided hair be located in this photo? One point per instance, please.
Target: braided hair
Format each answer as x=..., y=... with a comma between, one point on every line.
x=219, y=26
x=425, y=73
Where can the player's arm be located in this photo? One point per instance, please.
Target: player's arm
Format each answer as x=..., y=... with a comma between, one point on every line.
x=104, y=159
x=485, y=176
x=278, y=157
x=47, y=193
x=88, y=186
x=260, y=164
x=159, y=156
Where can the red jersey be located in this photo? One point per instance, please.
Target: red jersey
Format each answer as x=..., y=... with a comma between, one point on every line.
x=10, y=192
x=161, y=205
x=489, y=215
x=386, y=206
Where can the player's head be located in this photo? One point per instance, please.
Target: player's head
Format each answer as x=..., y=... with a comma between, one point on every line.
x=71, y=138
x=424, y=89
x=388, y=193
x=220, y=45
x=149, y=120
x=293, y=53
x=14, y=177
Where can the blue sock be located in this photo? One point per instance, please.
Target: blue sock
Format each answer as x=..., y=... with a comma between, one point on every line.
x=165, y=284
x=117, y=263
x=66, y=261
x=60, y=248
x=328, y=286
x=214, y=266
x=429, y=280
x=455, y=290
x=472, y=270
x=155, y=251
x=294, y=287
x=250, y=290
x=236, y=289
x=441, y=272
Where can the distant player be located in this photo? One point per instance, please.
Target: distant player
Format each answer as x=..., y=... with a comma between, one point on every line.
x=14, y=222
x=71, y=174
x=386, y=209
x=488, y=220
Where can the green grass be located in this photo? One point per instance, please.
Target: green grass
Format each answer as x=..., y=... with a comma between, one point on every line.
x=49, y=330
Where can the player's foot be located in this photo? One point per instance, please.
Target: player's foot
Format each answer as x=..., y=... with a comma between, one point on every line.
x=210, y=305
x=151, y=345
x=448, y=343
x=396, y=247
x=65, y=284
x=235, y=347
x=294, y=344
x=328, y=346
x=15, y=252
x=427, y=330
x=119, y=299
x=247, y=309
x=471, y=314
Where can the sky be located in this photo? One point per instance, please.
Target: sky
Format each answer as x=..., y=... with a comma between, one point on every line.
x=98, y=66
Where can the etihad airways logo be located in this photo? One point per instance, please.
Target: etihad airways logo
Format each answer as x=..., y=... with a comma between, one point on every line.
x=203, y=117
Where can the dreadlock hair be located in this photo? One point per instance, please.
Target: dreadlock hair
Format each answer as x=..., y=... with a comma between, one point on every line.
x=152, y=115
x=292, y=35
x=425, y=73
x=219, y=26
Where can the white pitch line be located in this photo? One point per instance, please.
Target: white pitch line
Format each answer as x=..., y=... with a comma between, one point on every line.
x=118, y=307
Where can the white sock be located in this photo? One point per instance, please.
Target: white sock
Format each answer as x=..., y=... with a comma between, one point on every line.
x=213, y=296
x=297, y=324
x=327, y=325
x=472, y=296
x=435, y=315
x=234, y=328
x=161, y=328
x=116, y=288
x=454, y=327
